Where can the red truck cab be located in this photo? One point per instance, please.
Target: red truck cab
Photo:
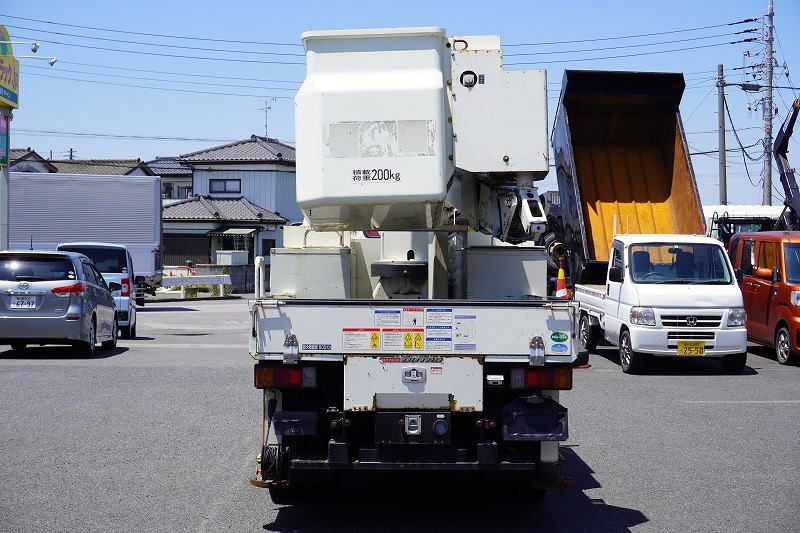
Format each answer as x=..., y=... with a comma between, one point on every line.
x=767, y=267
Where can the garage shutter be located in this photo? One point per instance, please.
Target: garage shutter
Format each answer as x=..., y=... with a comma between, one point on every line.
x=179, y=248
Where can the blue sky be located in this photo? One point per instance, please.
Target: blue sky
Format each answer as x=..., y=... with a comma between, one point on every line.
x=51, y=103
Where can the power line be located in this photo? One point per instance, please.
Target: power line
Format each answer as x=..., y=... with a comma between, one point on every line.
x=736, y=134
x=728, y=150
x=623, y=46
x=698, y=105
x=158, y=88
x=635, y=36
x=739, y=141
x=705, y=131
x=151, y=34
x=55, y=133
x=138, y=52
x=159, y=79
x=628, y=55
x=163, y=45
x=176, y=73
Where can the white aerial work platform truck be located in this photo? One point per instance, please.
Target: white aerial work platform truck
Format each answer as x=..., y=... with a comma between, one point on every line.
x=406, y=325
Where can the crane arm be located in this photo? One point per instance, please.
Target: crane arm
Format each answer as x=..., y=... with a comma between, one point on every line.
x=790, y=218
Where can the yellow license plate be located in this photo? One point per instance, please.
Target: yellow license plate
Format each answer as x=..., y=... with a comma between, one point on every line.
x=691, y=348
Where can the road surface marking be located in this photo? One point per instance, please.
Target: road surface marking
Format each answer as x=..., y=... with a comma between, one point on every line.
x=741, y=401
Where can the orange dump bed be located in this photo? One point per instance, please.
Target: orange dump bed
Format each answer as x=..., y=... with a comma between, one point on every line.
x=622, y=163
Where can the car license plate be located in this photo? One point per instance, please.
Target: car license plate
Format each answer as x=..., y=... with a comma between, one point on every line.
x=691, y=348
x=23, y=302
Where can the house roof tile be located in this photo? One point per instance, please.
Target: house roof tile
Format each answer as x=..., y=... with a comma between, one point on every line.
x=168, y=166
x=204, y=208
x=254, y=149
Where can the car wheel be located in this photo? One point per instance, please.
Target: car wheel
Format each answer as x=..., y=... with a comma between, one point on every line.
x=734, y=363
x=18, y=346
x=87, y=348
x=140, y=302
x=111, y=344
x=630, y=361
x=587, y=334
x=783, y=346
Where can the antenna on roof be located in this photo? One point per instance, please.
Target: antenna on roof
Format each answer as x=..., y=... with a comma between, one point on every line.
x=267, y=108
x=31, y=241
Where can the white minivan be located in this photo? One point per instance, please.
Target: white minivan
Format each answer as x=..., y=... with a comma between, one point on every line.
x=116, y=265
x=666, y=295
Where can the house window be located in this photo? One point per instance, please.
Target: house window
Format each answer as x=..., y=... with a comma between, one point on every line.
x=225, y=185
x=266, y=246
x=167, y=190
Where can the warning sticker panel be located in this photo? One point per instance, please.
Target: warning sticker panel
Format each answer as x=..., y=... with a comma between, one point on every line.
x=402, y=338
x=464, y=333
x=413, y=316
x=361, y=338
x=439, y=338
x=438, y=315
x=387, y=317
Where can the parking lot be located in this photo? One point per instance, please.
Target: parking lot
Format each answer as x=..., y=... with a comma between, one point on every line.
x=161, y=433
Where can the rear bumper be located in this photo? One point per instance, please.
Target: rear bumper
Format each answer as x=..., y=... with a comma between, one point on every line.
x=655, y=341
x=124, y=307
x=40, y=330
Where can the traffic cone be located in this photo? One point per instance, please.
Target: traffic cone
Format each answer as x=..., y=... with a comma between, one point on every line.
x=561, y=282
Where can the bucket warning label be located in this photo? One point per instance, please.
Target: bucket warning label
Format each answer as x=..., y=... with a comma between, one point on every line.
x=413, y=316
x=387, y=317
x=361, y=339
x=438, y=315
x=439, y=338
x=402, y=338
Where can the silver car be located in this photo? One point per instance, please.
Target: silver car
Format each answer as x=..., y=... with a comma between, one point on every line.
x=55, y=298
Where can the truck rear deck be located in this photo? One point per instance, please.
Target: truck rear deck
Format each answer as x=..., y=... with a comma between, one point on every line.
x=622, y=163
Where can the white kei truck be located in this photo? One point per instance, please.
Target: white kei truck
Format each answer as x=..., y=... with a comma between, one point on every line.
x=666, y=295
x=388, y=336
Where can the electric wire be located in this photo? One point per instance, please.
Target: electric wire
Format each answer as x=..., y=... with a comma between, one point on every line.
x=163, y=45
x=698, y=106
x=621, y=46
x=736, y=134
x=139, y=52
x=744, y=152
x=159, y=88
x=56, y=133
x=210, y=39
x=624, y=55
x=215, y=76
x=639, y=35
x=159, y=79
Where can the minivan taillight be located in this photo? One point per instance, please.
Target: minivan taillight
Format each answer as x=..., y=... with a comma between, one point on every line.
x=76, y=288
x=126, y=287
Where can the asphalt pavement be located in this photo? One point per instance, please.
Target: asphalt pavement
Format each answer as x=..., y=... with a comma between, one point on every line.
x=161, y=435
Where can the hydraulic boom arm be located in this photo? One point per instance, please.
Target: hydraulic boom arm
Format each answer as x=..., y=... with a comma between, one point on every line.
x=790, y=217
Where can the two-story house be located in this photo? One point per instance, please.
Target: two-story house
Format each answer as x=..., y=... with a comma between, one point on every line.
x=242, y=193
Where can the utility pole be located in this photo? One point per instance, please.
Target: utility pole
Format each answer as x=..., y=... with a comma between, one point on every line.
x=723, y=180
x=767, y=195
x=70, y=154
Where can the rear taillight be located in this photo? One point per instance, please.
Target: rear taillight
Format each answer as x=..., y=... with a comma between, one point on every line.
x=284, y=377
x=545, y=377
x=126, y=287
x=75, y=288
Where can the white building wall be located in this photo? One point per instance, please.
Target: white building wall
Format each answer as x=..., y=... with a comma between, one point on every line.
x=270, y=189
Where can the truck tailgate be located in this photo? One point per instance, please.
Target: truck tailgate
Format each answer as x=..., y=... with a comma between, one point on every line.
x=333, y=329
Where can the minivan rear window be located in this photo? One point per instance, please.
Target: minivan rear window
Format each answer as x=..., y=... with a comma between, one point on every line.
x=107, y=260
x=35, y=268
